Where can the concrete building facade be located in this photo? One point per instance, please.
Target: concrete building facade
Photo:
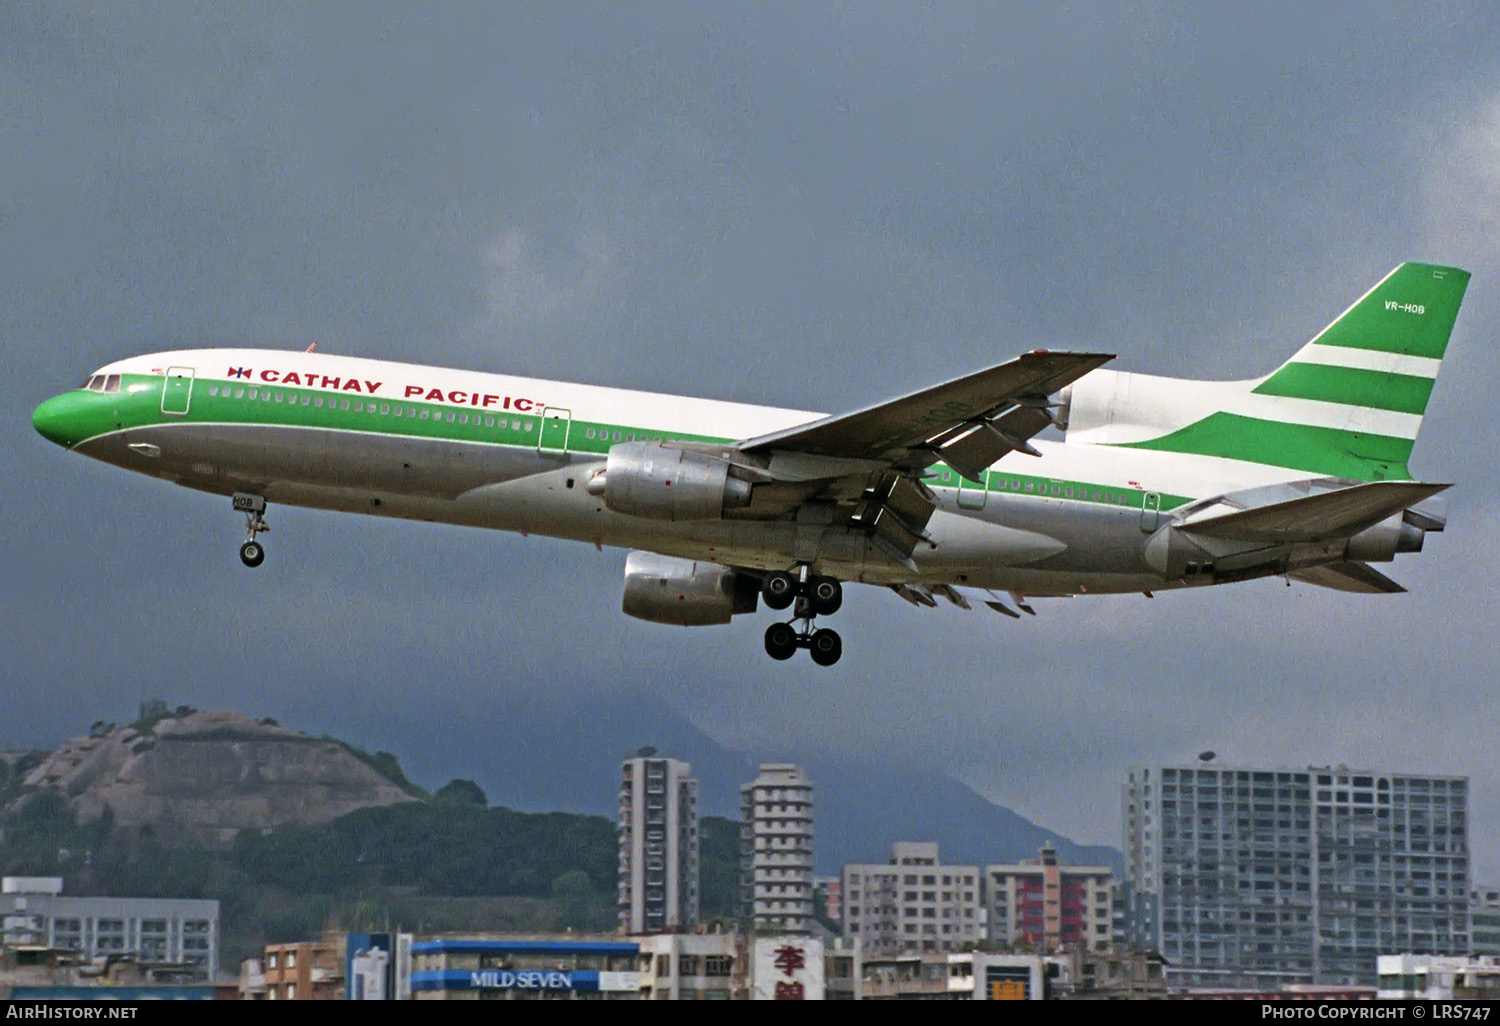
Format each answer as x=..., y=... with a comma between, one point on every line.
x=1484, y=921
x=171, y=931
x=659, y=844
x=1044, y=905
x=776, y=850
x=914, y=903
x=1247, y=877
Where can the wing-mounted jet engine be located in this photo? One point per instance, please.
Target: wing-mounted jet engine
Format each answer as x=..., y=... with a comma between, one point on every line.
x=685, y=592
x=663, y=482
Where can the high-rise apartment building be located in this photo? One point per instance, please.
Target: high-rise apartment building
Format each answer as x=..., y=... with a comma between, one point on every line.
x=658, y=830
x=1046, y=905
x=912, y=904
x=1243, y=877
x=776, y=849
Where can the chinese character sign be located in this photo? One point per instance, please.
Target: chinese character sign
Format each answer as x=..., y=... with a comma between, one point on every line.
x=788, y=969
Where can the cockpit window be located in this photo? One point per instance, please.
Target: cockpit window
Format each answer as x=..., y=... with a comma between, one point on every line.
x=102, y=383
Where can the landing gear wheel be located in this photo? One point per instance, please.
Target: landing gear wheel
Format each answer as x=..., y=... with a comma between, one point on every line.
x=252, y=553
x=781, y=641
x=778, y=589
x=826, y=595
x=826, y=646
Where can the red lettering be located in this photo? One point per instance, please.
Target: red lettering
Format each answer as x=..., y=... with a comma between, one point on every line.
x=292, y=379
x=352, y=385
x=524, y=405
x=491, y=400
x=328, y=382
x=412, y=390
x=506, y=405
x=373, y=386
x=457, y=396
x=436, y=395
x=474, y=399
x=269, y=375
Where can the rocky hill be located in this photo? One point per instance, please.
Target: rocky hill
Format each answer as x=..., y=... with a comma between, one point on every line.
x=204, y=776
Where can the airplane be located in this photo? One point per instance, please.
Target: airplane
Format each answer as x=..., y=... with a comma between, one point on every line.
x=942, y=493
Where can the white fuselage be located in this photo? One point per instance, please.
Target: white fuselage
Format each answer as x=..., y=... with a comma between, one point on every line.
x=511, y=453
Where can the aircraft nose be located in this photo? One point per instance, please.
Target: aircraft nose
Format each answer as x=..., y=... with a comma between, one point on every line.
x=57, y=420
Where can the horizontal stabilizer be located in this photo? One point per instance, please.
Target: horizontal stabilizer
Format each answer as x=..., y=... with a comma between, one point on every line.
x=1334, y=514
x=1356, y=577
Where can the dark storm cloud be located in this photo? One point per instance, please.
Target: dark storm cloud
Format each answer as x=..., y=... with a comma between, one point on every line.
x=811, y=206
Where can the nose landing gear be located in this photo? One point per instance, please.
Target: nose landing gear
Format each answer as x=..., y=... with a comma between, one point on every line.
x=252, y=553
x=814, y=596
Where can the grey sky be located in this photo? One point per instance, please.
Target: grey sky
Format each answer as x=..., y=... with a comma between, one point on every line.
x=802, y=205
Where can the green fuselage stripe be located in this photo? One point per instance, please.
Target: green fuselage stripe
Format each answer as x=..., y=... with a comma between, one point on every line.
x=1351, y=454
x=234, y=402
x=1350, y=386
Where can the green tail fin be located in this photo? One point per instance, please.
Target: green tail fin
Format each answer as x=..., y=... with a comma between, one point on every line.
x=1348, y=404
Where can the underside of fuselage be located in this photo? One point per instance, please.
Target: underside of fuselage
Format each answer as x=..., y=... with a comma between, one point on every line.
x=1037, y=545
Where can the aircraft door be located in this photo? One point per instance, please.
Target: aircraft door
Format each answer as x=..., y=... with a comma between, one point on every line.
x=1150, y=511
x=177, y=390
x=553, y=439
x=972, y=495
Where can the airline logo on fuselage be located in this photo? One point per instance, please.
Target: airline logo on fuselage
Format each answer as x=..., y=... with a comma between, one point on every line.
x=452, y=397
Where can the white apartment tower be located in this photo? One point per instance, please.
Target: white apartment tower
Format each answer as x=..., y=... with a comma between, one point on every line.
x=912, y=904
x=776, y=849
x=658, y=829
x=1253, y=877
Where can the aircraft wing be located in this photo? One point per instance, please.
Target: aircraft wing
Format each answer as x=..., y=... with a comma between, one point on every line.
x=969, y=422
x=1357, y=577
x=1331, y=514
x=868, y=464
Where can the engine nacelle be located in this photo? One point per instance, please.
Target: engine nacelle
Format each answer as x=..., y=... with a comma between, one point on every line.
x=685, y=592
x=648, y=479
x=1379, y=544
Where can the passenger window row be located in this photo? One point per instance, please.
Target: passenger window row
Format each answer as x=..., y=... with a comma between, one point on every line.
x=267, y=395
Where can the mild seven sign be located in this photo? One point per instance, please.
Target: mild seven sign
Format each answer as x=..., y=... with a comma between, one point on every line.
x=505, y=979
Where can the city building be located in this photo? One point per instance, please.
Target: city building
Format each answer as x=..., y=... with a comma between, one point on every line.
x=1253, y=878
x=693, y=967
x=50, y=974
x=519, y=968
x=776, y=850
x=1438, y=978
x=1484, y=922
x=1045, y=905
x=304, y=971
x=831, y=890
x=174, y=932
x=1109, y=975
x=912, y=904
x=658, y=831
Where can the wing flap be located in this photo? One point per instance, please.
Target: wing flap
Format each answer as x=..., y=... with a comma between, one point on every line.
x=1331, y=514
x=1356, y=577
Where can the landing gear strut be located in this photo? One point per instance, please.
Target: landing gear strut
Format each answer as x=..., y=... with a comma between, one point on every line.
x=252, y=553
x=814, y=596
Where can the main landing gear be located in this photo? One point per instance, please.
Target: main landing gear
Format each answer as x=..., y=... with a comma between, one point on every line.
x=252, y=553
x=813, y=596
